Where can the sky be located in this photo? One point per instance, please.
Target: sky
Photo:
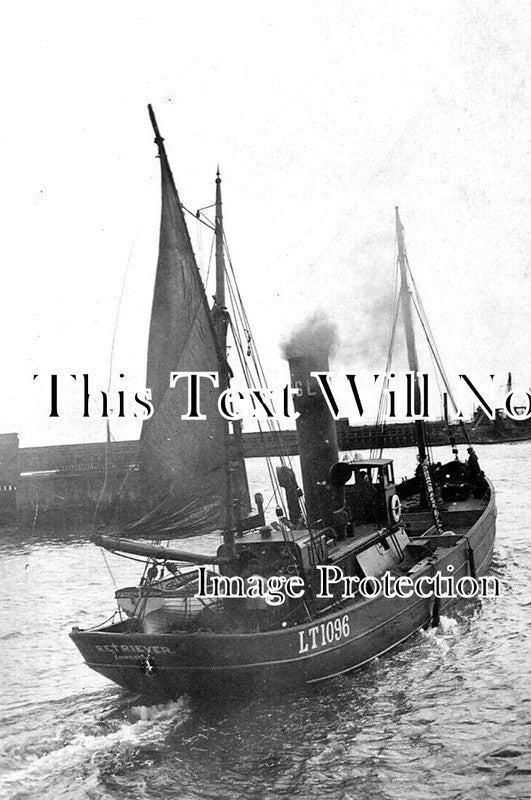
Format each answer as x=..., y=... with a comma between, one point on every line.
x=323, y=117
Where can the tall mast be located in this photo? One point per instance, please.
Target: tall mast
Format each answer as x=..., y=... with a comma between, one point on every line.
x=220, y=316
x=412, y=356
x=219, y=310
x=237, y=490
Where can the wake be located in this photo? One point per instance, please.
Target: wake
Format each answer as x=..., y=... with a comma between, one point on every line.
x=108, y=745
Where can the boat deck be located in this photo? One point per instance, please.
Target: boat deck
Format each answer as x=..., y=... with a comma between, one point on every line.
x=454, y=515
x=363, y=536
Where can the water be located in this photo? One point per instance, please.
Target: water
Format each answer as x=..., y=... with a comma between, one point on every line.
x=446, y=716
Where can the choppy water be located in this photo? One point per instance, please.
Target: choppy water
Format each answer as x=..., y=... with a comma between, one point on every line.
x=446, y=716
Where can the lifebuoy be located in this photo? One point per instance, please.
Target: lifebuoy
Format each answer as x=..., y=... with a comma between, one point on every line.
x=395, y=507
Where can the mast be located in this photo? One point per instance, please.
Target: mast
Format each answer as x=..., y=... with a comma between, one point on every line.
x=237, y=490
x=220, y=252
x=219, y=311
x=412, y=356
x=413, y=361
x=221, y=321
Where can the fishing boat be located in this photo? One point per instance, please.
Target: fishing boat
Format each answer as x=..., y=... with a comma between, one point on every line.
x=307, y=596
x=503, y=428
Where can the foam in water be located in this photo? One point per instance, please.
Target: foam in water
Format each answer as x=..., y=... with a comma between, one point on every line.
x=443, y=635
x=153, y=725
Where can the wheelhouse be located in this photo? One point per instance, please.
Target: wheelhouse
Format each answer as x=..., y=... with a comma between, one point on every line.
x=368, y=490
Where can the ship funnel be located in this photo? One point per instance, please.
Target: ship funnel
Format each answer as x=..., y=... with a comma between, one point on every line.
x=316, y=431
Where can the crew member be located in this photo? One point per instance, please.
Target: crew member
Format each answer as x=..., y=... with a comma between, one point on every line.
x=474, y=470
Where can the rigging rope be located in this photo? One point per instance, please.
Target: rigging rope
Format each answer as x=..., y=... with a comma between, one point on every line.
x=377, y=448
x=109, y=382
x=253, y=370
x=433, y=347
x=252, y=351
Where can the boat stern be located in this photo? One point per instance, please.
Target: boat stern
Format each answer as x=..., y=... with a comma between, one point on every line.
x=155, y=668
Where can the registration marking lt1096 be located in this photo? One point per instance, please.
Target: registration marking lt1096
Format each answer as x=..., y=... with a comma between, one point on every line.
x=326, y=633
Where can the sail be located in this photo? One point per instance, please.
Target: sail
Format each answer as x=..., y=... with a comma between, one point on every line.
x=183, y=463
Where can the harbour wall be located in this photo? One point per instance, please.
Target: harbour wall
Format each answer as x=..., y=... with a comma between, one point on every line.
x=60, y=483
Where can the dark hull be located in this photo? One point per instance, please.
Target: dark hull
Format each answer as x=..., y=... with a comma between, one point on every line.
x=166, y=665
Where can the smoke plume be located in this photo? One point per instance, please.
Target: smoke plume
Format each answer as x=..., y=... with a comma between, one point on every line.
x=316, y=334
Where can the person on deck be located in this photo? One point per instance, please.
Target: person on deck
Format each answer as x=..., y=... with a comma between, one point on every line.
x=476, y=476
x=474, y=470
x=365, y=499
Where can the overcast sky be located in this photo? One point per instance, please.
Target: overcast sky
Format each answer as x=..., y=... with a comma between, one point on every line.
x=323, y=116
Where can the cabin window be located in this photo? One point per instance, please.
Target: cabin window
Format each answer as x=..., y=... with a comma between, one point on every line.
x=370, y=474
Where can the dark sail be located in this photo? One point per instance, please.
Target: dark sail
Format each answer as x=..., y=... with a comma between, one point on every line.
x=183, y=463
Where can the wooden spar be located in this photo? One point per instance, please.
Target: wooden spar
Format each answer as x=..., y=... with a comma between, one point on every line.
x=413, y=361
x=412, y=356
x=220, y=316
x=116, y=544
x=237, y=491
x=158, y=137
x=220, y=257
x=219, y=312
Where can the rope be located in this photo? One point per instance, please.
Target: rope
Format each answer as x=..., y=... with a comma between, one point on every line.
x=106, y=473
x=436, y=357
x=36, y=514
x=377, y=448
x=108, y=568
x=256, y=363
x=252, y=369
x=417, y=302
x=109, y=382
